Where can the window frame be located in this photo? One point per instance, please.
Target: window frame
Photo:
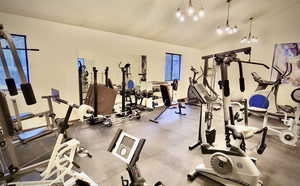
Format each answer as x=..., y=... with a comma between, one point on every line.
x=172, y=61
x=26, y=56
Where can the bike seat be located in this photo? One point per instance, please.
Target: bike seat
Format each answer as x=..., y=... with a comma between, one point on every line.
x=261, y=81
x=246, y=131
x=257, y=110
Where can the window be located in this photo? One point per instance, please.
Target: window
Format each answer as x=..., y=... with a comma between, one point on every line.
x=20, y=42
x=173, y=67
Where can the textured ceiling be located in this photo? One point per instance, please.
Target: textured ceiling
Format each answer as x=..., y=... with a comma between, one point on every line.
x=149, y=19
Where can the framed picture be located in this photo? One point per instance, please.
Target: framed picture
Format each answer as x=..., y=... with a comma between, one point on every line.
x=287, y=53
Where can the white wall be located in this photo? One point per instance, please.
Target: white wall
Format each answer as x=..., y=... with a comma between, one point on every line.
x=278, y=27
x=60, y=45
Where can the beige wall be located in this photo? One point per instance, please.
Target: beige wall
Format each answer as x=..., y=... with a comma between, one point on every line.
x=60, y=45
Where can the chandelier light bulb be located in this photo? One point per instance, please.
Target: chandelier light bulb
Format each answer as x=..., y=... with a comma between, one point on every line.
x=182, y=18
x=228, y=29
x=254, y=39
x=178, y=13
x=244, y=40
x=219, y=30
x=201, y=12
x=190, y=11
x=195, y=18
x=235, y=29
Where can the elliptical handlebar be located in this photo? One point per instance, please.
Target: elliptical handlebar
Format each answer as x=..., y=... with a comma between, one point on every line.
x=263, y=144
x=194, y=70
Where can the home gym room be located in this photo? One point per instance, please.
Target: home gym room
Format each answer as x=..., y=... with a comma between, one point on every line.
x=149, y=92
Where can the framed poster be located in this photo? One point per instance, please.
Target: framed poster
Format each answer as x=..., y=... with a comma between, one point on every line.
x=287, y=53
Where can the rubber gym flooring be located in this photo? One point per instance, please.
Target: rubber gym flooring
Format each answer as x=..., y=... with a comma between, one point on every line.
x=166, y=157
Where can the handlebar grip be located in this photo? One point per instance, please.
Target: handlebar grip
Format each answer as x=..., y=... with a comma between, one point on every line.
x=242, y=84
x=261, y=148
x=28, y=94
x=62, y=101
x=226, y=88
x=11, y=86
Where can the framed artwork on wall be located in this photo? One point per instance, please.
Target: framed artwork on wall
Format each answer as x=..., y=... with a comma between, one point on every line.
x=287, y=53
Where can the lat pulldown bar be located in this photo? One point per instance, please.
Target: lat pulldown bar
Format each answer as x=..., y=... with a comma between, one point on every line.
x=10, y=82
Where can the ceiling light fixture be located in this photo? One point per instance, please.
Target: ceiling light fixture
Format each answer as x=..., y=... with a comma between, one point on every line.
x=190, y=11
x=227, y=28
x=250, y=38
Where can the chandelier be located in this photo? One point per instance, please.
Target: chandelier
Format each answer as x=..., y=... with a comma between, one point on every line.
x=190, y=11
x=227, y=28
x=250, y=38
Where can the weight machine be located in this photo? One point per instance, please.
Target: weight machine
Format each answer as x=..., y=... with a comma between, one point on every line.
x=95, y=118
x=60, y=169
x=231, y=166
x=10, y=82
x=127, y=111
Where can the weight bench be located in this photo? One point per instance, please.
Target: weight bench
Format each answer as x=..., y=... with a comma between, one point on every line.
x=167, y=103
x=23, y=116
x=31, y=134
x=26, y=136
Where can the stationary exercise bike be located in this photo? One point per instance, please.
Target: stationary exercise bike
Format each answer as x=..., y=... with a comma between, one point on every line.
x=128, y=148
x=231, y=166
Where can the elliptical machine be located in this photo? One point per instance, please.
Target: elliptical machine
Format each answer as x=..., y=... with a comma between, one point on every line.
x=231, y=166
x=192, y=99
x=128, y=148
x=264, y=102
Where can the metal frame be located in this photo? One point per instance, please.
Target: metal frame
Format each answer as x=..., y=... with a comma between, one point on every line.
x=26, y=53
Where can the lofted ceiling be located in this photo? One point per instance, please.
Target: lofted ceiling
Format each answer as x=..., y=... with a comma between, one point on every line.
x=149, y=19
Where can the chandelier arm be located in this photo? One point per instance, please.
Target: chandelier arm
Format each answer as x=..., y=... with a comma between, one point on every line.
x=250, y=33
x=228, y=9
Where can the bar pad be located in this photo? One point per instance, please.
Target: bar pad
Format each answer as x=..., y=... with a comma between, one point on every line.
x=28, y=94
x=11, y=86
x=226, y=88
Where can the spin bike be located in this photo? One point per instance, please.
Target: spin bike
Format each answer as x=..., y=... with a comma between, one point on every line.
x=128, y=148
x=230, y=166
